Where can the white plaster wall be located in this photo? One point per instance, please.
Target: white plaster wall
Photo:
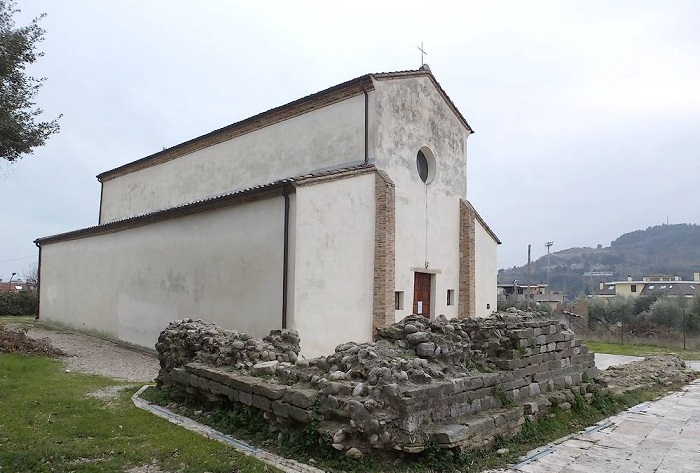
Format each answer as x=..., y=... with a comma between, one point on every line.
x=334, y=271
x=223, y=266
x=320, y=139
x=486, y=271
x=408, y=114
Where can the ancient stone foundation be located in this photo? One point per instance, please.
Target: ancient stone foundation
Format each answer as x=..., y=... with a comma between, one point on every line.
x=456, y=383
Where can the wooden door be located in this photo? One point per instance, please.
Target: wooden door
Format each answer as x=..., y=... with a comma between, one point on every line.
x=421, y=294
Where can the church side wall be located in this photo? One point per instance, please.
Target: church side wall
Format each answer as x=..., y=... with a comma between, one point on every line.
x=334, y=271
x=317, y=140
x=223, y=266
x=486, y=271
x=409, y=114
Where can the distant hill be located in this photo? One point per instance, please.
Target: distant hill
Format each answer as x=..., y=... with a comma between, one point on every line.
x=663, y=249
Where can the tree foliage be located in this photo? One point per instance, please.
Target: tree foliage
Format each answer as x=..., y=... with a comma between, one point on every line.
x=20, y=128
x=675, y=313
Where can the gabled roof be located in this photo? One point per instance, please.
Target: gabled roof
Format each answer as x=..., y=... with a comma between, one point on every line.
x=271, y=189
x=321, y=99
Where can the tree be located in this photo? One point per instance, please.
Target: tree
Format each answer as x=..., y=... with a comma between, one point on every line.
x=31, y=275
x=669, y=312
x=20, y=132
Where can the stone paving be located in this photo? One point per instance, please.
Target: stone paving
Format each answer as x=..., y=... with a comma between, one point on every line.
x=661, y=436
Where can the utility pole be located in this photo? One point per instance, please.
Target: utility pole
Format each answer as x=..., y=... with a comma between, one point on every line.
x=9, y=288
x=548, y=245
x=528, y=295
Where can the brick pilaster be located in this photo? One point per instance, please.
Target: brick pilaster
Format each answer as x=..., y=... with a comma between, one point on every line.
x=467, y=261
x=384, y=250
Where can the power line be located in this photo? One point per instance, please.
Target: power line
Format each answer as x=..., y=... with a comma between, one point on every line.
x=17, y=259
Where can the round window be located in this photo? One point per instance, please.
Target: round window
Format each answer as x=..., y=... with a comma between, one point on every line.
x=425, y=163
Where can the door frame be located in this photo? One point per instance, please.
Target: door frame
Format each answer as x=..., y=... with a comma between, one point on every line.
x=433, y=276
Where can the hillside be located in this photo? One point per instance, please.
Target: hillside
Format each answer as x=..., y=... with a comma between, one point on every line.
x=663, y=249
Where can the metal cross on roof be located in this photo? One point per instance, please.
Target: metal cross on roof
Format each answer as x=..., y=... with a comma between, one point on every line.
x=422, y=52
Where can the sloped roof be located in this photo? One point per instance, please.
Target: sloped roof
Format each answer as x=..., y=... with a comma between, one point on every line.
x=672, y=288
x=242, y=196
x=311, y=102
x=608, y=290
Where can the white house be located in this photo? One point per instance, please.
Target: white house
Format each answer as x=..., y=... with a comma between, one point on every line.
x=333, y=214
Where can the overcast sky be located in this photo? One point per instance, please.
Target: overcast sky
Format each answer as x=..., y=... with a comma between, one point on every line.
x=587, y=113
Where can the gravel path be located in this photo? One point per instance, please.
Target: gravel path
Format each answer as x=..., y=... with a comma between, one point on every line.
x=96, y=356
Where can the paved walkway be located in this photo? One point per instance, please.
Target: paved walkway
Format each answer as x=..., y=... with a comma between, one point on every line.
x=604, y=361
x=661, y=436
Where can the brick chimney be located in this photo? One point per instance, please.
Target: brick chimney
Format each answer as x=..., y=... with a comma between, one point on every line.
x=696, y=277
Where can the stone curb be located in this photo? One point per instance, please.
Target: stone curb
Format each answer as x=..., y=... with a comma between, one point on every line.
x=284, y=464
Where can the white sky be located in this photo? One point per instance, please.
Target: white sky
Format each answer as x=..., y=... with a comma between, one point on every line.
x=587, y=113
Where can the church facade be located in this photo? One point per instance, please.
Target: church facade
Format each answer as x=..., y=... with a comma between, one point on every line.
x=334, y=214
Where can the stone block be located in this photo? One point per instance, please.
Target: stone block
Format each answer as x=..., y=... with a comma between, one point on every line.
x=418, y=338
x=261, y=402
x=523, y=333
x=481, y=425
x=491, y=379
x=242, y=383
x=515, y=384
x=534, y=390
x=280, y=408
x=459, y=409
x=440, y=411
x=299, y=414
x=216, y=388
x=425, y=349
x=180, y=376
x=476, y=406
x=303, y=398
x=467, y=384
x=245, y=398
x=450, y=435
x=268, y=390
x=264, y=368
x=480, y=393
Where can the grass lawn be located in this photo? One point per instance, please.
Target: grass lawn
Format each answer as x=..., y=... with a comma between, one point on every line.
x=48, y=423
x=639, y=350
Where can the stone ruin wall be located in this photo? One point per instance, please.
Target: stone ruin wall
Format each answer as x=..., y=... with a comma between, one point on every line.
x=456, y=383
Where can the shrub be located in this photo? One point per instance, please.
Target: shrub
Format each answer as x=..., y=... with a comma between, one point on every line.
x=19, y=303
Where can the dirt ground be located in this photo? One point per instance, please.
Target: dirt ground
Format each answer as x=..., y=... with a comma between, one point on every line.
x=96, y=356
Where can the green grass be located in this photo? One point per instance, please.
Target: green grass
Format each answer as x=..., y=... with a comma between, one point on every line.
x=49, y=424
x=639, y=350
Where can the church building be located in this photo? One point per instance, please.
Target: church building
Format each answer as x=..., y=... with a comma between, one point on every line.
x=334, y=214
